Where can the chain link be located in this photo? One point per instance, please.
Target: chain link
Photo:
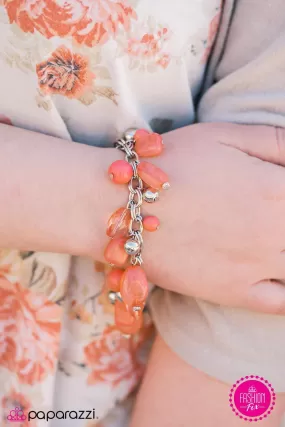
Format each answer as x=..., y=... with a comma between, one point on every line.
x=135, y=196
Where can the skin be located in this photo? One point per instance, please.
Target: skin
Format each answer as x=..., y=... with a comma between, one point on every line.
x=222, y=196
x=54, y=197
x=231, y=205
x=187, y=396
x=173, y=393
x=227, y=207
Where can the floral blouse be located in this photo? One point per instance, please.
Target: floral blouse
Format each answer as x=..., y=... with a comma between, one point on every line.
x=85, y=70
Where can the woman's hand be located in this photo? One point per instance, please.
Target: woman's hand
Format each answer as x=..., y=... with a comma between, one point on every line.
x=222, y=222
x=222, y=230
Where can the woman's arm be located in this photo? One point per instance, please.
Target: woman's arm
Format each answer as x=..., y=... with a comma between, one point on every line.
x=225, y=209
x=174, y=393
x=222, y=233
x=54, y=194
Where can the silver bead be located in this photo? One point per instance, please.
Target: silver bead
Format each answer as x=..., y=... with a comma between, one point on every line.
x=112, y=297
x=132, y=247
x=119, y=296
x=129, y=134
x=150, y=196
x=126, y=336
x=136, y=310
x=166, y=186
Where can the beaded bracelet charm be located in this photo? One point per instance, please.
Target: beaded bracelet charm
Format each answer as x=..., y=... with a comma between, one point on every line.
x=126, y=281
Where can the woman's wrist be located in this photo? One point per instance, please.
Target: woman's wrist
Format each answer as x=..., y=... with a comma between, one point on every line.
x=101, y=199
x=58, y=197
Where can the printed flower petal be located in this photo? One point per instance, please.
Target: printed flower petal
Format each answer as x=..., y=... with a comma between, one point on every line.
x=64, y=73
x=30, y=330
x=90, y=22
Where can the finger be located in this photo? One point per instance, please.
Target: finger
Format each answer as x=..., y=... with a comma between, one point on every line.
x=267, y=296
x=276, y=265
x=264, y=142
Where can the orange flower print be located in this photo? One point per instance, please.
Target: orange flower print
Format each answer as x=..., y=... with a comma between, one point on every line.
x=99, y=267
x=30, y=328
x=147, y=50
x=89, y=22
x=16, y=400
x=213, y=29
x=8, y=352
x=78, y=311
x=5, y=269
x=112, y=359
x=10, y=265
x=64, y=73
x=104, y=302
x=163, y=61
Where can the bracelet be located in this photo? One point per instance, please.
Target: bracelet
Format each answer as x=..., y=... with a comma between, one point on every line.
x=126, y=281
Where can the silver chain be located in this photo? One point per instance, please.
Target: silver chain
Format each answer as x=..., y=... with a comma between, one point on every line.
x=135, y=196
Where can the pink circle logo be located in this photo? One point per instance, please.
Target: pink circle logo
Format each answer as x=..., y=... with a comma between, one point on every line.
x=252, y=398
x=16, y=415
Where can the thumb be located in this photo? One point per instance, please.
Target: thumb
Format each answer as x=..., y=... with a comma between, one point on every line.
x=267, y=296
x=264, y=142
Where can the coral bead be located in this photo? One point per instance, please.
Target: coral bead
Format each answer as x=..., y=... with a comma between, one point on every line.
x=134, y=288
x=152, y=175
x=125, y=321
x=140, y=133
x=120, y=172
x=118, y=223
x=115, y=253
x=151, y=223
x=113, y=279
x=148, y=144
